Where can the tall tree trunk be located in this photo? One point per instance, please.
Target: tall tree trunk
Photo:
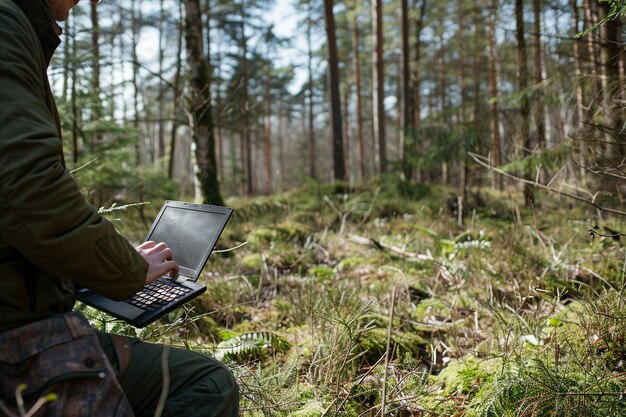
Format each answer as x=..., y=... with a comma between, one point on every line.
x=540, y=113
x=416, y=78
x=461, y=13
x=311, y=118
x=612, y=50
x=200, y=116
x=73, y=92
x=139, y=145
x=357, y=84
x=96, y=113
x=590, y=19
x=407, y=94
x=267, y=134
x=522, y=79
x=67, y=58
x=496, y=151
x=479, y=116
x=161, y=99
x=346, y=131
x=218, y=114
x=445, y=166
x=339, y=170
x=245, y=128
x=177, y=77
x=378, y=84
x=580, y=97
x=281, y=144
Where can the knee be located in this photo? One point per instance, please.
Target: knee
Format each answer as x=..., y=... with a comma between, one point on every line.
x=219, y=385
x=230, y=390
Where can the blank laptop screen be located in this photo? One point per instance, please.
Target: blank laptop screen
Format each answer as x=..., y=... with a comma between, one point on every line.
x=186, y=232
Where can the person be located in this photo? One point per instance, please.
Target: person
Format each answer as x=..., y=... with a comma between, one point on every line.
x=52, y=240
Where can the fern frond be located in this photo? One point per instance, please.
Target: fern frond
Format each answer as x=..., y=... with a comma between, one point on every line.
x=251, y=346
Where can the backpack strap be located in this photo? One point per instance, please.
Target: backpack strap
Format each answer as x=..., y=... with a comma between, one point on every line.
x=123, y=351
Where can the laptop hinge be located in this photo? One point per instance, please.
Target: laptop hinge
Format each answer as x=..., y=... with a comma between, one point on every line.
x=181, y=279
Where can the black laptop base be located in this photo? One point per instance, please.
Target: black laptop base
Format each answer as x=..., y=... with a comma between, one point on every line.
x=133, y=314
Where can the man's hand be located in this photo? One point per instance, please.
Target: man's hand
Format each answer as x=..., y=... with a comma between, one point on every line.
x=159, y=258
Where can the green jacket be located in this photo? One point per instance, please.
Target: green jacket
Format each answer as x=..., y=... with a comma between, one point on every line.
x=51, y=240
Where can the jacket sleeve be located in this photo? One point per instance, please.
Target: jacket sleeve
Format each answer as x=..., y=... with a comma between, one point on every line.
x=42, y=212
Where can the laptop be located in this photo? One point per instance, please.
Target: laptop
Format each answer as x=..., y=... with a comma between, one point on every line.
x=191, y=231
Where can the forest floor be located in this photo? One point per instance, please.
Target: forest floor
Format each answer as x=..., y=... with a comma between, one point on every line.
x=382, y=300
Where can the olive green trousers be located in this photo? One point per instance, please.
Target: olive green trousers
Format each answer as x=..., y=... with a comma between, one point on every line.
x=199, y=385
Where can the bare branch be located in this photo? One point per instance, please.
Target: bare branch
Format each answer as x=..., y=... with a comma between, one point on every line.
x=481, y=160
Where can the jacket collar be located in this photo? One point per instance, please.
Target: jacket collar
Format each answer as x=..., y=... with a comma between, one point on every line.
x=40, y=16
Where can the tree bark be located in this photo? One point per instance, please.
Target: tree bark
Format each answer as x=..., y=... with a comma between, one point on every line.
x=496, y=157
x=522, y=79
x=357, y=84
x=139, y=145
x=407, y=94
x=461, y=13
x=161, y=99
x=267, y=134
x=346, y=130
x=177, y=78
x=311, y=117
x=417, y=100
x=199, y=104
x=95, y=76
x=540, y=113
x=378, y=84
x=245, y=128
x=339, y=171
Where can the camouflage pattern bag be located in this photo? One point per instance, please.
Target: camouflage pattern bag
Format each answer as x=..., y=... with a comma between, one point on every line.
x=60, y=359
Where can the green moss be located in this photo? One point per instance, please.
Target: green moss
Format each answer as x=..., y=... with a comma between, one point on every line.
x=374, y=344
x=252, y=261
x=431, y=307
x=262, y=236
x=321, y=273
x=467, y=375
x=312, y=408
x=351, y=263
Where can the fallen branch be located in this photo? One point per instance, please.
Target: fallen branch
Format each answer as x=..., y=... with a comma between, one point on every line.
x=483, y=161
x=391, y=248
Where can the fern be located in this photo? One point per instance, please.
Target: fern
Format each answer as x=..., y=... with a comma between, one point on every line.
x=251, y=346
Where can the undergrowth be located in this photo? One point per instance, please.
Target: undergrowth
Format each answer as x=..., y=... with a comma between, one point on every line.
x=513, y=312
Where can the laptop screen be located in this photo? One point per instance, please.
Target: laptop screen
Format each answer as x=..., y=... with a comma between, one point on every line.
x=189, y=233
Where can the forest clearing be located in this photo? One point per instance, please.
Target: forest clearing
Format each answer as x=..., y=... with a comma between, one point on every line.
x=347, y=300
x=429, y=195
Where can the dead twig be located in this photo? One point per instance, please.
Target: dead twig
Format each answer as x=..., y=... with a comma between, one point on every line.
x=391, y=248
x=483, y=161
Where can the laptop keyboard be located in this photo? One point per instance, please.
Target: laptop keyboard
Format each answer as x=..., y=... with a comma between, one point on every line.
x=157, y=294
